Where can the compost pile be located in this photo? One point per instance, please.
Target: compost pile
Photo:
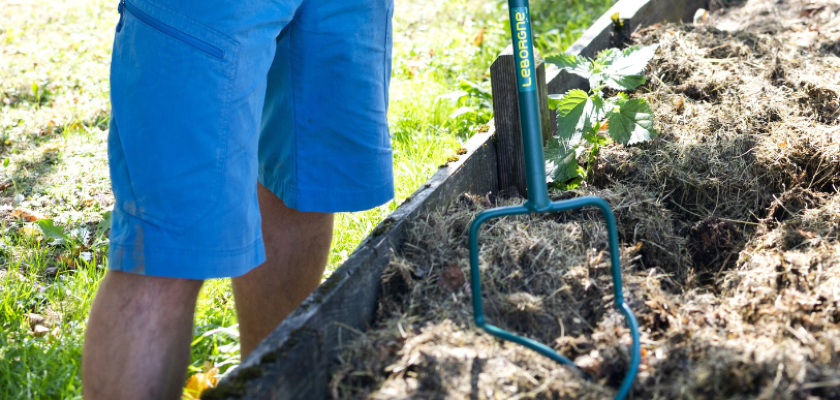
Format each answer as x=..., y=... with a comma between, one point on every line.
x=728, y=224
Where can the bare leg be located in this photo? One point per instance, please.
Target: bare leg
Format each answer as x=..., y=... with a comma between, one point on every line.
x=297, y=245
x=137, y=344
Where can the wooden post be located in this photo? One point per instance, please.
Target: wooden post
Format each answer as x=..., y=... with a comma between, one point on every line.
x=506, y=114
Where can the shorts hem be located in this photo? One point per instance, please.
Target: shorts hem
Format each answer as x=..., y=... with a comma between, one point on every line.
x=332, y=200
x=185, y=263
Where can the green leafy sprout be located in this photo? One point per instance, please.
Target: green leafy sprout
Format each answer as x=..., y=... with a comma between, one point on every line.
x=587, y=121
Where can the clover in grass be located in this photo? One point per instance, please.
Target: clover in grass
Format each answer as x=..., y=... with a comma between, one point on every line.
x=587, y=121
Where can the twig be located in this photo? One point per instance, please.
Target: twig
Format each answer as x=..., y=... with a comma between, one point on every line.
x=352, y=329
x=815, y=385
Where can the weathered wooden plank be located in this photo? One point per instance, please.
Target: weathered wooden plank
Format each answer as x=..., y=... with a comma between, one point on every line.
x=294, y=361
x=506, y=112
x=636, y=14
x=646, y=13
x=542, y=95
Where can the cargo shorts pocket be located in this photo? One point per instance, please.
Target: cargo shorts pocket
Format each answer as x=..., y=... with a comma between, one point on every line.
x=171, y=82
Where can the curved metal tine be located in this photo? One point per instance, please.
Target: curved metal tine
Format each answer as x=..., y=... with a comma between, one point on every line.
x=475, y=282
x=615, y=269
x=475, y=285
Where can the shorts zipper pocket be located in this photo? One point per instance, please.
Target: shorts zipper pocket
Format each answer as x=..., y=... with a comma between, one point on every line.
x=168, y=30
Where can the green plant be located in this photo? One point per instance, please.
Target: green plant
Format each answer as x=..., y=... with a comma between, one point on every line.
x=587, y=121
x=475, y=108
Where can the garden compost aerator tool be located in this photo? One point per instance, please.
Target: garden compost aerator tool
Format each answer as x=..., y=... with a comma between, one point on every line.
x=538, y=201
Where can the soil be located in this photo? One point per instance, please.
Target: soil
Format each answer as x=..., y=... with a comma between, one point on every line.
x=728, y=224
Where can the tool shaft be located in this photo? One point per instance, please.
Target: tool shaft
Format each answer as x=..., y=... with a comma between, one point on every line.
x=529, y=115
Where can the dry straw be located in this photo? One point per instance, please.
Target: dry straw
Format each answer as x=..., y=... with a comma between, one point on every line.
x=728, y=223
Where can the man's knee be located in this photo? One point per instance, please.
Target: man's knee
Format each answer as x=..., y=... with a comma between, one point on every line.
x=125, y=289
x=282, y=217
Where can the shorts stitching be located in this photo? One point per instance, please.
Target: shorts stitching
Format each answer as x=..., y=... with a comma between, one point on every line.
x=170, y=38
x=210, y=29
x=333, y=191
x=221, y=173
x=386, y=58
x=296, y=190
x=293, y=84
x=122, y=150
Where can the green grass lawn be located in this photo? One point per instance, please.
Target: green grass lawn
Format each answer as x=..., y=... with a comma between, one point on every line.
x=54, y=59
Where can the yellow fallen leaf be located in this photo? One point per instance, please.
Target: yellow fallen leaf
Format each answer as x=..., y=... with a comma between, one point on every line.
x=479, y=38
x=66, y=260
x=51, y=148
x=27, y=214
x=605, y=126
x=679, y=104
x=201, y=382
x=29, y=231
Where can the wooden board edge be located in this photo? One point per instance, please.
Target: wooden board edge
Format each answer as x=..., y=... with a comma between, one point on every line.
x=304, y=338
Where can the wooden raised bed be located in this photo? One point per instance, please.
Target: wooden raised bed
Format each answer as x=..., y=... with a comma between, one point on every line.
x=295, y=360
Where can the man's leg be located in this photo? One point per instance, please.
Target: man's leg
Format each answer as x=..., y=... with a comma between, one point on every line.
x=137, y=344
x=297, y=245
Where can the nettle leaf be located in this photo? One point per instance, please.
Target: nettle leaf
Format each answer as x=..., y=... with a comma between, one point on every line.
x=607, y=57
x=569, y=114
x=563, y=164
x=615, y=101
x=623, y=70
x=574, y=64
x=554, y=100
x=631, y=122
x=604, y=59
x=577, y=113
x=581, y=127
x=552, y=150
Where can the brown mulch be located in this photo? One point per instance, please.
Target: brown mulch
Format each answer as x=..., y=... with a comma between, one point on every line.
x=728, y=224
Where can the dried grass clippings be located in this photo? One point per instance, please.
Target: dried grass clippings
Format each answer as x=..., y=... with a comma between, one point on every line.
x=728, y=225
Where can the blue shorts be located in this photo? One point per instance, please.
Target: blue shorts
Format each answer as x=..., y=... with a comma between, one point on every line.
x=210, y=97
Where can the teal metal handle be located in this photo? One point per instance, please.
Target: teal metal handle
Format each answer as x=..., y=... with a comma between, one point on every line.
x=529, y=113
x=538, y=201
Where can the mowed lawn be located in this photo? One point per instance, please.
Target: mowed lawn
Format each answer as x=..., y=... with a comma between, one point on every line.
x=55, y=192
